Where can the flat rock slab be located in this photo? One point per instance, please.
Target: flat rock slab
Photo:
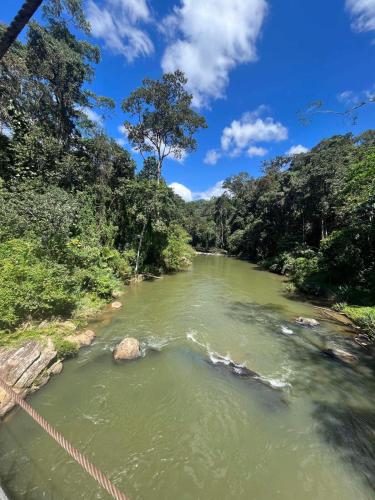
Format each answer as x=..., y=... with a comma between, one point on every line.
x=25, y=368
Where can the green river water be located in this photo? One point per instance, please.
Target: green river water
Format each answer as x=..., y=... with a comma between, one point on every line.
x=173, y=426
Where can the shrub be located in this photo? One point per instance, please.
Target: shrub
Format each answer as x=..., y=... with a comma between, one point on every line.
x=32, y=287
x=64, y=348
x=100, y=280
x=364, y=317
x=178, y=253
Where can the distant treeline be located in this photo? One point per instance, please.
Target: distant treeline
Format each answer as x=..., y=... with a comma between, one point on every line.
x=311, y=216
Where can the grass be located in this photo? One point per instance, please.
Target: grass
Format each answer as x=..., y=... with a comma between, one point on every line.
x=56, y=330
x=362, y=316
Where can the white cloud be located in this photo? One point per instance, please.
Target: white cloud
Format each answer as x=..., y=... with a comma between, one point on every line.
x=363, y=14
x=122, y=130
x=214, y=191
x=249, y=129
x=93, y=115
x=212, y=157
x=182, y=191
x=347, y=97
x=121, y=142
x=297, y=150
x=116, y=22
x=351, y=98
x=256, y=151
x=188, y=195
x=207, y=39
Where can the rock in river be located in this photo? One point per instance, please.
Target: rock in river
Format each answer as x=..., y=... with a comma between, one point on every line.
x=116, y=305
x=307, y=322
x=127, y=349
x=341, y=355
x=82, y=339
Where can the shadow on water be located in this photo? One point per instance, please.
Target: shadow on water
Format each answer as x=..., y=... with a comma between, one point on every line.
x=269, y=314
x=352, y=432
x=270, y=319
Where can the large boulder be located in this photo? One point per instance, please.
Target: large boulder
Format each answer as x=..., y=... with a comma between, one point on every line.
x=116, y=305
x=309, y=322
x=128, y=348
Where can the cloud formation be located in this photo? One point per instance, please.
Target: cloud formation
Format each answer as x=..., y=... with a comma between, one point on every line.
x=351, y=98
x=207, y=39
x=252, y=128
x=297, y=150
x=212, y=157
x=117, y=22
x=188, y=195
x=182, y=191
x=256, y=151
x=363, y=14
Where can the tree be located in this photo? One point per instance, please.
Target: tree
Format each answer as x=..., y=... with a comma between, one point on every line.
x=164, y=122
x=23, y=16
x=149, y=170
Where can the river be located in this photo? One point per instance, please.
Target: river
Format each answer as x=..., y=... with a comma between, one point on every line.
x=173, y=425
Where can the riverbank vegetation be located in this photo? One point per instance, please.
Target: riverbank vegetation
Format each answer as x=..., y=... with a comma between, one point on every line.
x=77, y=218
x=310, y=216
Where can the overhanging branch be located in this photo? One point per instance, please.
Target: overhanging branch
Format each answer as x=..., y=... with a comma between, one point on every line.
x=24, y=15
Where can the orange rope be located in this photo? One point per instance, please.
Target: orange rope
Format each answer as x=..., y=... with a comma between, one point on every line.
x=73, y=452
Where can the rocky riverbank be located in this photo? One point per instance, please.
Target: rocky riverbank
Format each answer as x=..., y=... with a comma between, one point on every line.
x=29, y=366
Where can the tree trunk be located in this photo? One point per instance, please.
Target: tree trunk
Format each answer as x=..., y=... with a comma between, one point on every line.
x=24, y=15
x=324, y=230
x=140, y=247
x=159, y=172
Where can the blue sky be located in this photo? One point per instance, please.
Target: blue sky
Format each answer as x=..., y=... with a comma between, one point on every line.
x=252, y=65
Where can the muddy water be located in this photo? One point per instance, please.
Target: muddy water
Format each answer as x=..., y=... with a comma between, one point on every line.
x=175, y=425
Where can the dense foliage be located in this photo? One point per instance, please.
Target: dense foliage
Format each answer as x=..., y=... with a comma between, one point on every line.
x=311, y=216
x=76, y=218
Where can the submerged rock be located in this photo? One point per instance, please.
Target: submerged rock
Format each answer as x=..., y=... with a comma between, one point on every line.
x=341, y=355
x=128, y=348
x=241, y=371
x=83, y=339
x=116, y=305
x=311, y=323
x=363, y=340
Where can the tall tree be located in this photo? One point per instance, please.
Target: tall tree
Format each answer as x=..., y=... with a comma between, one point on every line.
x=164, y=122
